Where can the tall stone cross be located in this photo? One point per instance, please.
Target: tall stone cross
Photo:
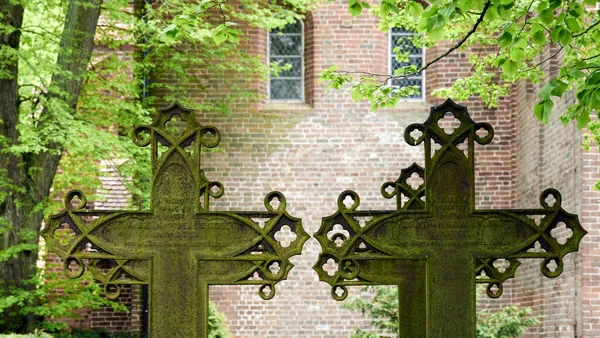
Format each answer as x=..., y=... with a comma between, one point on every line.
x=179, y=247
x=436, y=245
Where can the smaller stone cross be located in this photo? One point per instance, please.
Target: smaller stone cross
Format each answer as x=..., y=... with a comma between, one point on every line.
x=179, y=247
x=436, y=243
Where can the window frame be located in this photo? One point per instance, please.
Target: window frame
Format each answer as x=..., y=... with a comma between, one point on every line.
x=302, y=94
x=391, y=56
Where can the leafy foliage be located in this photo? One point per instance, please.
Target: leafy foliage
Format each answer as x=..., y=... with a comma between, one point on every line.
x=144, y=54
x=382, y=309
x=519, y=37
x=88, y=297
x=508, y=323
x=32, y=335
x=216, y=328
x=54, y=299
x=97, y=333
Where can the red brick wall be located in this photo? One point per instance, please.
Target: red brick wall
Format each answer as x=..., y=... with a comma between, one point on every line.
x=551, y=156
x=313, y=151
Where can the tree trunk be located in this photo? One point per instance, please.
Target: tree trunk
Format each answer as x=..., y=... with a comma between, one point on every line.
x=31, y=175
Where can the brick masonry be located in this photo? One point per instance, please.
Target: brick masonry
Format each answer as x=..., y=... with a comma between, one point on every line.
x=314, y=150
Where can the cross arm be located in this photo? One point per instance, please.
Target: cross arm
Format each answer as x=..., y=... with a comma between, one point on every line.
x=551, y=232
x=69, y=234
x=350, y=258
x=266, y=261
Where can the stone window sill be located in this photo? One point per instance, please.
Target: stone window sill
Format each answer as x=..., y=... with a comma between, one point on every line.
x=286, y=106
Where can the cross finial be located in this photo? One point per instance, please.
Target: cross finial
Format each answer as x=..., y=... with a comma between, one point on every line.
x=177, y=151
x=449, y=134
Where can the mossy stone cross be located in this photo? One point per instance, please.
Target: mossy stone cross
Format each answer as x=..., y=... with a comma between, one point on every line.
x=179, y=247
x=436, y=246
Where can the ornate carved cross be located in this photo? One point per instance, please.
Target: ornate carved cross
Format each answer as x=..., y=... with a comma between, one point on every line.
x=179, y=247
x=436, y=224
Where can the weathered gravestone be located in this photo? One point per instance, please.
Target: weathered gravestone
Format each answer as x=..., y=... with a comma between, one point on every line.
x=436, y=246
x=179, y=247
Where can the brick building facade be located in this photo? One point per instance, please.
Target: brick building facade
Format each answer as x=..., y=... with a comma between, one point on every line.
x=315, y=149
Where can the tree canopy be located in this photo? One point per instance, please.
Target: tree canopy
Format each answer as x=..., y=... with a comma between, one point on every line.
x=75, y=76
x=523, y=35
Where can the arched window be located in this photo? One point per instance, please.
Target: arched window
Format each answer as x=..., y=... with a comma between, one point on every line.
x=403, y=39
x=286, y=46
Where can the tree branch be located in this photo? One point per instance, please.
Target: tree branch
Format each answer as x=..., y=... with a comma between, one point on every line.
x=446, y=53
x=591, y=57
x=587, y=29
x=546, y=59
x=461, y=42
x=526, y=15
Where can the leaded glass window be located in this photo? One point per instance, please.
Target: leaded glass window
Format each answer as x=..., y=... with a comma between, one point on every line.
x=403, y=38
x=286, y=47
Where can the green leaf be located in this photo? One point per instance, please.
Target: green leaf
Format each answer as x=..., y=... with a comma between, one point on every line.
x=505, y=12
x=235, y=31
x=233, y=38
x=577, y=10
x=354, y=7
x=519, y=42
x=582, y=120
x=220, y=36
x=505, y=39
x=492, y=13
x=539, y=38
x=576, y=73
x=546, y=90
x=436, y=22
x=202, y=6
x=464, y=5
x=593, y=79
x=573, y=25
x=386, y=7
x=559, y=87
x=414, y=9
x=447, y=11
x=510, y=67
x=554, y=4
x=554, y=36
x=431, y=11
x=517, y=54
x=394, y=8
x=543, y=110
x=590, y=2
x=595, y=101
x=171, y=32
x=565, y=37
x=541, y=6
x=436, y=34
x=356, y=95
x=547, y=16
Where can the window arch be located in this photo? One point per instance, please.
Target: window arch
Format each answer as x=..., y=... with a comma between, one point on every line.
x=286, y=46
x=403, y=38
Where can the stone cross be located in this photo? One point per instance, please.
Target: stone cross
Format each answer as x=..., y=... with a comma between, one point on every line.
x=179, y=247
x=436, y=229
